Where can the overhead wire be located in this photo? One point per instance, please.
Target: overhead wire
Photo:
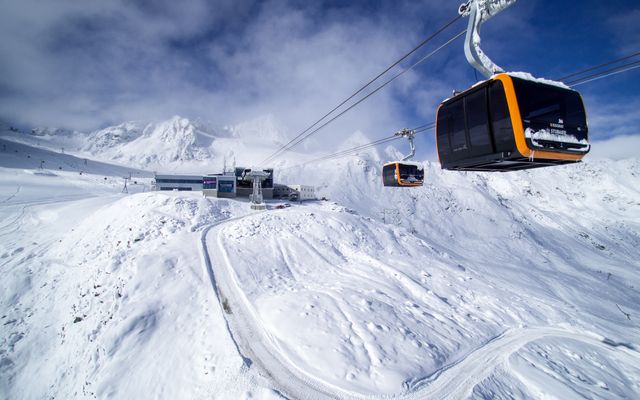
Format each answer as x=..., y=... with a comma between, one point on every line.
x=598, y=66
x=354, y=150
x=431, y=125
x=447, y=43
x=351, y=151
x=606, y=73
x=426, y=127
x=291, y=143
x=422, y=128
x=347, y=152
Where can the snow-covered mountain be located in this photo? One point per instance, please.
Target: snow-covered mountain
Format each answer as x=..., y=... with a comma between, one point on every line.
x=477, y=285
x=176, y=144
x=155, y=146
x=113, y=137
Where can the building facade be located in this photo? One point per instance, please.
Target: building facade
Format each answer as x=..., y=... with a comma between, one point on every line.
x=300, y=192
x=179, y=182
x=223, y=186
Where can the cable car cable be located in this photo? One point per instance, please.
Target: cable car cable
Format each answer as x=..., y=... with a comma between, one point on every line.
x=351, y=151
x=375, y=143
x=606, y=73
x=423, y=126
x=426, y=128
x=421, y=44
x=597, y=66
x=347, y=152
x=372, y=93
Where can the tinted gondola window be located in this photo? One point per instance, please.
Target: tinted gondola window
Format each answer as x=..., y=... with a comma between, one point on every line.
x=478, y=122
x=442, y=129
x=500, y=118
x=388, y=175
x=457, y=134
x=552, y=108
x=407, y=170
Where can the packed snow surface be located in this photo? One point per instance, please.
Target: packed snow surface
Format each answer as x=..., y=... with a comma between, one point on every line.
x=477, y=285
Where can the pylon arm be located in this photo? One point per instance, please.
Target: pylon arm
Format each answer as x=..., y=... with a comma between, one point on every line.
x=479, y=12
x=409, y=134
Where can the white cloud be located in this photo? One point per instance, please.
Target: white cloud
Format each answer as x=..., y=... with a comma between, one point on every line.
x=612, y=118
x=87, y=65
x=617, y=148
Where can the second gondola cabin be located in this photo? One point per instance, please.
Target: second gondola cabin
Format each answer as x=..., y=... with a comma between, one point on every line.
x=509, y=123
x=402, y=174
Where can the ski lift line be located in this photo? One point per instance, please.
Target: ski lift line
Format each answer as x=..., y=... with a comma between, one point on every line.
x=425, y=129
x=353, y=150
x=421, y=44
x=605, y=71
x=383, y=85
x=605, y=74
x=356, y=149
x=424, y=126
x=598, y=66
x=290, y=144
x=349, y=152
x=376, y=90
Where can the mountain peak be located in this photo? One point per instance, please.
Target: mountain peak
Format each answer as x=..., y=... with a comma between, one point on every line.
x=265, y=129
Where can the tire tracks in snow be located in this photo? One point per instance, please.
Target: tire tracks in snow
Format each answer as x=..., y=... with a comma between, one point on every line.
x=457, y=380
x=260, y=351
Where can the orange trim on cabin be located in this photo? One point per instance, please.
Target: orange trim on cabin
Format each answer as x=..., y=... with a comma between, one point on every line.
x=518, y=129
x=404, y=184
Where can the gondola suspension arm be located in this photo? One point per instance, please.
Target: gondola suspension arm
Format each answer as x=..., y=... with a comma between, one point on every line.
x=410, y=134
x=479, y=12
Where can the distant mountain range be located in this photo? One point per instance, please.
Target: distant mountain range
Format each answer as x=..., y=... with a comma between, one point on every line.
x=174, y=144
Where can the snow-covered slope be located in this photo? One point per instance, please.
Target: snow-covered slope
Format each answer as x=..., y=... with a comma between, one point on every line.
x=43, y=161
x=378, y=308
x=477, y=285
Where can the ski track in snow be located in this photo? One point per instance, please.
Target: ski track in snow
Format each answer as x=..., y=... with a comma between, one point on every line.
x=570, y=287
x=453, y=381
x=13, y=195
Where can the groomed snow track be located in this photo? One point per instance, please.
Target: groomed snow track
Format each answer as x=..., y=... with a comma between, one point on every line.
x=261, y=354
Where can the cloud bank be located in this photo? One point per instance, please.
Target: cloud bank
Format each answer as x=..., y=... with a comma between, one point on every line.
x=85, y=65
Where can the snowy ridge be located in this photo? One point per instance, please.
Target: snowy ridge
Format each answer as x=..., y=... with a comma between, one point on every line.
x=162, y=144
x=177, y=144
x=108, y=138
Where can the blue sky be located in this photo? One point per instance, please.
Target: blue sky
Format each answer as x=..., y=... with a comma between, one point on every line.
x=86, y=65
